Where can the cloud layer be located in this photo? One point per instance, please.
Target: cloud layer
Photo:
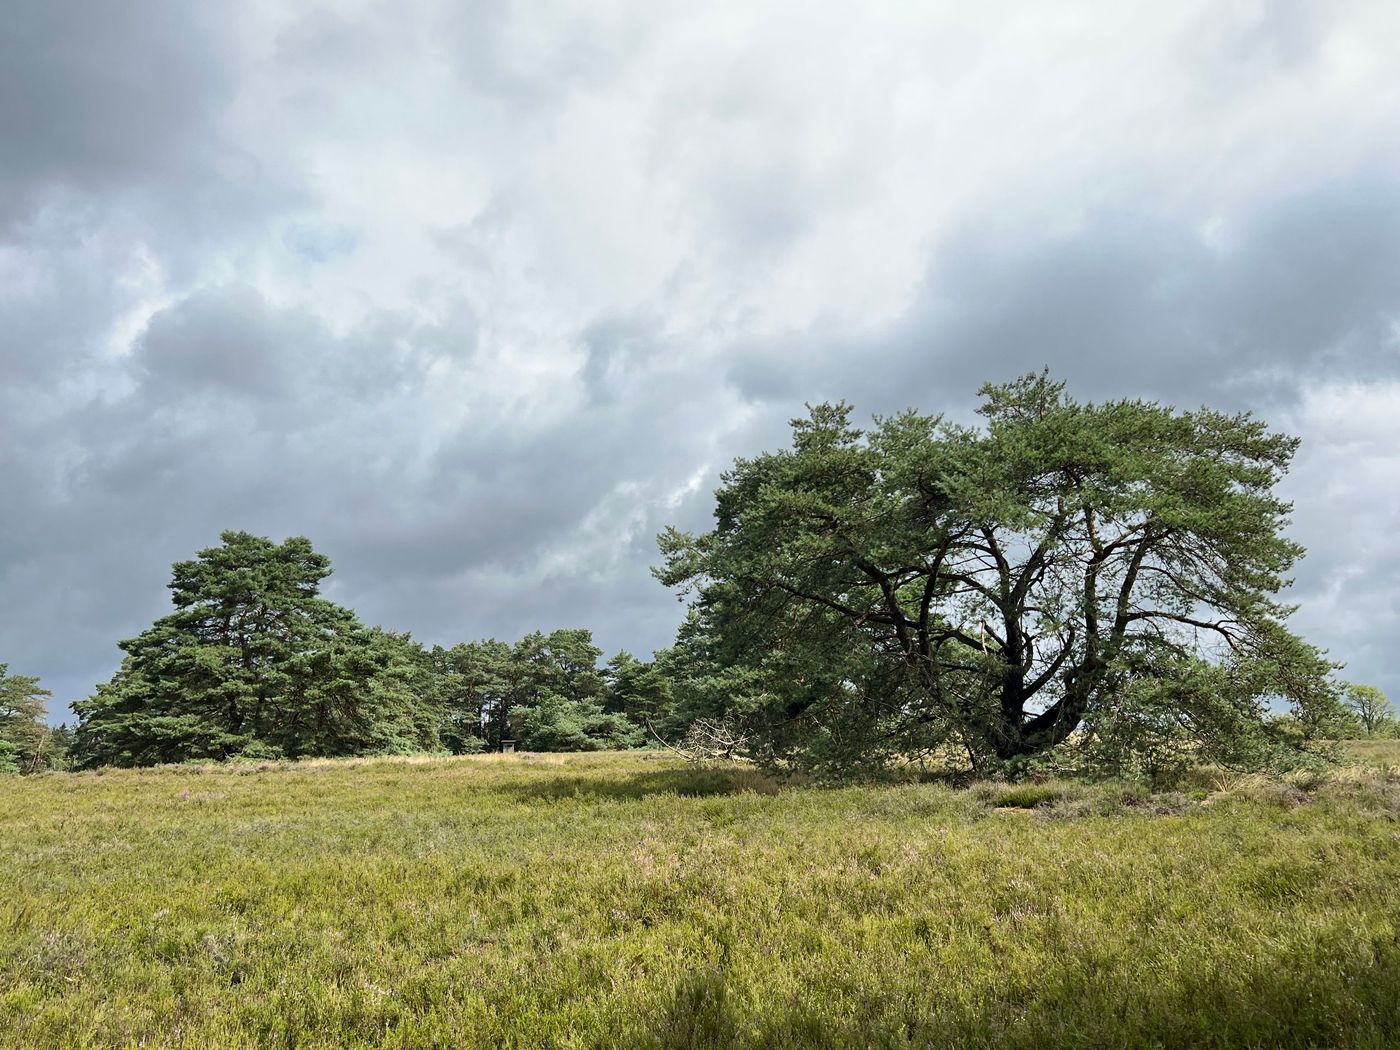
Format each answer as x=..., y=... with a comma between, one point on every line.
x=480, y=296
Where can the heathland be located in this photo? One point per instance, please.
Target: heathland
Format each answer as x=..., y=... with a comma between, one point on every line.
x=631, y=900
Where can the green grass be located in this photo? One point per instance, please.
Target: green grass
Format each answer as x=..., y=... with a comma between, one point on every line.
x=1375, y=752
x=613, y=900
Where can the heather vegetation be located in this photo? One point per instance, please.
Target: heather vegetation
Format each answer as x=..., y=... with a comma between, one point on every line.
x=983, y=736
x=633, y=900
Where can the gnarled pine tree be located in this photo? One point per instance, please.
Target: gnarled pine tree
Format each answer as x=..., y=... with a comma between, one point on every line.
x=1066, y=565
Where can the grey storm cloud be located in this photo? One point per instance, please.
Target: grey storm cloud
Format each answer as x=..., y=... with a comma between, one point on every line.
x=481, y=296
x=1132, y=301
x=95, y=96
x=223, y=343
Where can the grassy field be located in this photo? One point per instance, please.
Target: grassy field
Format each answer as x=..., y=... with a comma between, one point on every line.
x=1375, y=752
x=619, y=900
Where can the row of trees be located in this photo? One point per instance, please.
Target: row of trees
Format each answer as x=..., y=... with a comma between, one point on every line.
x=255, y=663
x=1091, y=586
x=547, y=692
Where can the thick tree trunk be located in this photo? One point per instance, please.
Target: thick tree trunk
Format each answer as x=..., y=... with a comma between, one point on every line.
x=1018, y=737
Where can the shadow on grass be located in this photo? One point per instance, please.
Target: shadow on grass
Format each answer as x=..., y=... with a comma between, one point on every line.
x=683, y=783
x=1332, y=995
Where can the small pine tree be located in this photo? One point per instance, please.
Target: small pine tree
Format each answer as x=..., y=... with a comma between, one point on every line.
x=23, y=732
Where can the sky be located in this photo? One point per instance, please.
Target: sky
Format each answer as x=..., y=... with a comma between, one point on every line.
x=479, y=296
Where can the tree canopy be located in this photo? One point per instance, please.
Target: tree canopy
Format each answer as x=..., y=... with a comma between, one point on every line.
x=254, y=661
x=1371, y=708
x=1095, y=585
x=546, y=692
x=1100, y=574
x=27, y=744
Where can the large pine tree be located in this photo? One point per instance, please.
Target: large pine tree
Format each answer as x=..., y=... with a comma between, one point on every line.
x=1102, y=578
x=253, y=661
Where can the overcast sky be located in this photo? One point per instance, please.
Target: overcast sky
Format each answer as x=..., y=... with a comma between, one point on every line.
x=479, y=296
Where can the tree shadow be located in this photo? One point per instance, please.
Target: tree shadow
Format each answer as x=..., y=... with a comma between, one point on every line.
x=1336, y=995
x=631, y=787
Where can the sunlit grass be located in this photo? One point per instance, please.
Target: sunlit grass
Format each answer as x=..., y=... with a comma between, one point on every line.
x=622, y=900
x=1375, y=752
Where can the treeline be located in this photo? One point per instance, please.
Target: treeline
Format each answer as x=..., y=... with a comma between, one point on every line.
x=254, y=663
x=1066, y=589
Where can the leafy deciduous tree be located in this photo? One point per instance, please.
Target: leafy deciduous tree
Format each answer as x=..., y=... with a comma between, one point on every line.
x=1371, y=707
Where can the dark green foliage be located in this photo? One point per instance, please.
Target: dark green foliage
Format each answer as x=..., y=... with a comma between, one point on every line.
x=645, y=692
x=1095, y=577
x=253, y=661
x=553, y=697
x=546, y=669
x=545, y=692
x=469, y=682
x=557, y=723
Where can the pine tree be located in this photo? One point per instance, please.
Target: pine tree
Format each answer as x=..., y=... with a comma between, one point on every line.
x=23, y=734
x=1108, y=572
x=254, y=662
